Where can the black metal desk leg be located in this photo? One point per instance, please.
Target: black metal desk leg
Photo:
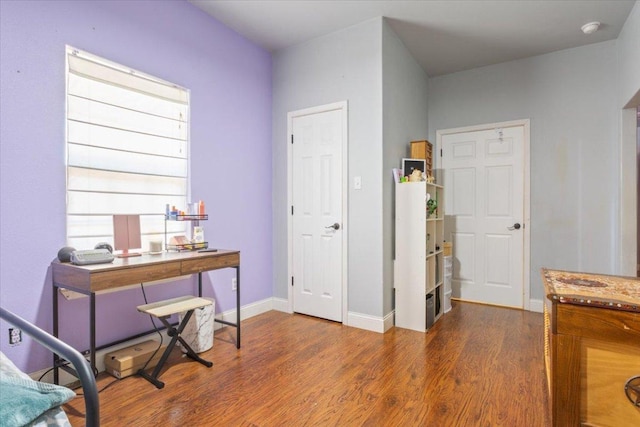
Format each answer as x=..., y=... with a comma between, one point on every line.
x=238, y=307
x=56, y=358
x=92, y=332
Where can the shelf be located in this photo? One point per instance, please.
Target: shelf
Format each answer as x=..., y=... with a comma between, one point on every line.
x=186, y=217
x=188, y=246
x=419, y=255
x=434, y=253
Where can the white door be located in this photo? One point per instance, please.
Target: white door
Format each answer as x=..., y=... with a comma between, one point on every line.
x=317, y=212
x=484, y=203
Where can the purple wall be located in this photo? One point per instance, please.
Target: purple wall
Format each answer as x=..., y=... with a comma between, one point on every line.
x=230, y=83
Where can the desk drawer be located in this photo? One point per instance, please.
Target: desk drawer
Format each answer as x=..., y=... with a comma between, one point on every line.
x=198, y=265
x=129, y=276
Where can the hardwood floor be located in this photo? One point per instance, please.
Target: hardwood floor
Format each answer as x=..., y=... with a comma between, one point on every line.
x=478, y=366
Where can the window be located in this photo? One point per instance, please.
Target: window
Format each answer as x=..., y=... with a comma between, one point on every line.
x=127, y=150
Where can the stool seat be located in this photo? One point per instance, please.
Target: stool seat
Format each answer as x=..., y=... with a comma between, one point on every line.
x=173, y=306
x=163, y=310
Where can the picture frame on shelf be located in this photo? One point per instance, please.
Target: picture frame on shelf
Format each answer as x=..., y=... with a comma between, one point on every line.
x=409, y=165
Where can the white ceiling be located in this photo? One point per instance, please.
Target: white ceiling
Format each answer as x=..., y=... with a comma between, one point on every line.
x=444, y=36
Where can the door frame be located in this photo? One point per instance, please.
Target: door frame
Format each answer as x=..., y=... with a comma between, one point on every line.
x=526, y=266
x=343, y=107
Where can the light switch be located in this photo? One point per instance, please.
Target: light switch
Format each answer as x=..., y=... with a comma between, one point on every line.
x=357, y=183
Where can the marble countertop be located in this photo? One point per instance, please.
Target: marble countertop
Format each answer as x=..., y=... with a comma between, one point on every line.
x=600, y=290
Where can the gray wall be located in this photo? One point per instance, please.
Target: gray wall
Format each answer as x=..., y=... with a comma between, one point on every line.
x=404, y=106
x=345, y=65
x=571, y=98
x=349, y=65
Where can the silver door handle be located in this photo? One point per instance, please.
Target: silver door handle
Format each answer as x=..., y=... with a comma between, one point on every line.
x=516, y=226
x=335, y=226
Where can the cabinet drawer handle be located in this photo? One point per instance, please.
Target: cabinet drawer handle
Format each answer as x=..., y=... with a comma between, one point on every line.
x=632, y=390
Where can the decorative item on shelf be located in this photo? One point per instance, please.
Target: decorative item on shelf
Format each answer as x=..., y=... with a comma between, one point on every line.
x=195, y=240
x=416, y=176
x=409, y=165
x=198, y=234
x=432, y=206
x=195, y=211
x=431, y=179
x=181, y=243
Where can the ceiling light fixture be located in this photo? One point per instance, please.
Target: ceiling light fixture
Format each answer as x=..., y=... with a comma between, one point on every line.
x=591, y=27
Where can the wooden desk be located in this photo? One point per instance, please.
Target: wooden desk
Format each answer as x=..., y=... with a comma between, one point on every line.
x=592, y=347
x=123, y=272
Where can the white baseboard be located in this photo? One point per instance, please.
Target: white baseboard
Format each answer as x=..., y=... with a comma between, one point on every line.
x=368, y=322
x=356, y=320
x=247, y=311
x=389, y=321
x=281, y=304
x=536, y=305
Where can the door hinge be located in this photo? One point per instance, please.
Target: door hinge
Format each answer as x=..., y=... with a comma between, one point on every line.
x=292, y=138
x=291, y=209
x=291, y=280
x=441, y=152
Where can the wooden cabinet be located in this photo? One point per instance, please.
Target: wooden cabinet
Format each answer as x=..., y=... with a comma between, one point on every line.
x=419, y=258
x=592, y=348
x=423, y=150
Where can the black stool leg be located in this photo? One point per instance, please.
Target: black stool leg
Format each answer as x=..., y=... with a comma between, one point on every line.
x=175, y=336
x=192, y=354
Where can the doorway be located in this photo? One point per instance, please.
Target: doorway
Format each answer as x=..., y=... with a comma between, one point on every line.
x=317, y=181
x=485, y=173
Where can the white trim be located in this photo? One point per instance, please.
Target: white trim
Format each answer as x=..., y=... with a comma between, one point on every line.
x=246, y=311
x=343, y=106
x=526, y=124
x=536, y=305
x=389, y=321
x=370, y=323
x=281, y=304
x=627, y=250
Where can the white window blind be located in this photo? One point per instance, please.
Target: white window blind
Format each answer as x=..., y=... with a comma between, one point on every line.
x=127, y=150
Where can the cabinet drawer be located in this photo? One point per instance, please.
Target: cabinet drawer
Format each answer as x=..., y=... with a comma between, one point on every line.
x=605, y=369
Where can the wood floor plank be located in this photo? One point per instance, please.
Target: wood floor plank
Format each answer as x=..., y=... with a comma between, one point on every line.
x=478, y=366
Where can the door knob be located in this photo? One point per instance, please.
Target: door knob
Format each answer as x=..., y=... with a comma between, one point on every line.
x=335, y=226
x=516, y=226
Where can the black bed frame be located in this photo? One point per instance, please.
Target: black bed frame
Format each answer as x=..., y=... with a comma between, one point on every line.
x=80, y=364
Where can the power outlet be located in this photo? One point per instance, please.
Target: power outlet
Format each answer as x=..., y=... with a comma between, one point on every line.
x=234, y=284
x=15, y=336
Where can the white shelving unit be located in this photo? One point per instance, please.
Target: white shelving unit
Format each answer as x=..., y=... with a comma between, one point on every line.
x=419, y=261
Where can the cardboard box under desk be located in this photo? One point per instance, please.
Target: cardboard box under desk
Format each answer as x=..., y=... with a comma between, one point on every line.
x=127, y=361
